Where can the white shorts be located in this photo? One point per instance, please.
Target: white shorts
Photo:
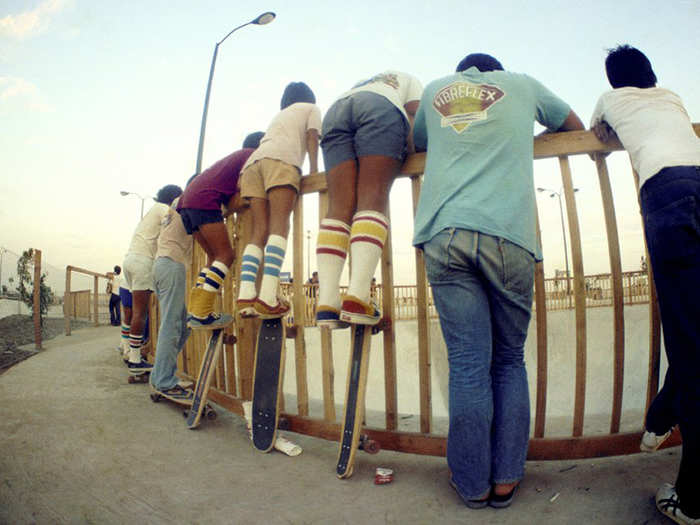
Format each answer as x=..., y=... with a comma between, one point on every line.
x=138, y=272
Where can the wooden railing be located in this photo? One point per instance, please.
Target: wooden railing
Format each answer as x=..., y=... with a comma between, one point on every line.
x=83, y=304
x=233, y=383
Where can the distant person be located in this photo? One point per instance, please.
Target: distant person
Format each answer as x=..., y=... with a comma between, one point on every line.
x=113, y=286
x=366, y=136
x=138, y=273
x=200, y=208
x=475, y=223
x=653, y=126
x=270, y=182
x=173, y=255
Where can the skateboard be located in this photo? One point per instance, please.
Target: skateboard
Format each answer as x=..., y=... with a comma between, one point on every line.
x=351, y=438
x=156, y=397
x=267, y=383
x=206, y=373
x=138, y=378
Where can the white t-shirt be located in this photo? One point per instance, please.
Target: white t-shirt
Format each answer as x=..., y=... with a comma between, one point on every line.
x=285, y=138
x=146, y=234
x=173, y=241
x=652, y=125
x=116, y=282
x=398, y=87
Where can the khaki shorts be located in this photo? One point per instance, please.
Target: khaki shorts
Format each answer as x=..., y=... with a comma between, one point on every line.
x=265, y=174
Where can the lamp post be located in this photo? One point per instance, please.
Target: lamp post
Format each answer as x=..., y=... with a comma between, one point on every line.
x=125, y=193
x=552, y=193
x=265, y=18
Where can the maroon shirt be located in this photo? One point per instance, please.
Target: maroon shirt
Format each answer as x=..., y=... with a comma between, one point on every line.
x=215, y=185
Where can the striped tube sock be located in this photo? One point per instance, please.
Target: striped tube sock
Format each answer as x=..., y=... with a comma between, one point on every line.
x=249, y=271
x=201, y=277
x=126, y=328
x=135, y=342
x=367, y=237
x=274, y=257
x=331, y=252
x=215, y=276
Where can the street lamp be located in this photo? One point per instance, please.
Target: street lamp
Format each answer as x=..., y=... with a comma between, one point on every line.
x=261, y=20
x=125, y=193
x=552, y=193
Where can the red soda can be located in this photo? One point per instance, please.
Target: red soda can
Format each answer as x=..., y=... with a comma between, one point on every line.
x=382, y=476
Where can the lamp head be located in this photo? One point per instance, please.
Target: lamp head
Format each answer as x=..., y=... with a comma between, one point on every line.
x=123, y=193
x=265, y=18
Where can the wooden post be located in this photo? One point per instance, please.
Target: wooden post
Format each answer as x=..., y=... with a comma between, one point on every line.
x=541, y=314
x=67, y=302
x=95, y=305
x=299, y=307
x=37, y=299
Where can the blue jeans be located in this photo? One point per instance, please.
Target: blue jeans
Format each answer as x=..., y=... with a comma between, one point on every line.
x=483, y=286
x=671, y=211
x=170, y=281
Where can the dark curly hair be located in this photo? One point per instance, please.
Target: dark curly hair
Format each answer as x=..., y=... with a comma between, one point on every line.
x=297, y=92
x=627, y=66
x=167, y=194
x=481, y=61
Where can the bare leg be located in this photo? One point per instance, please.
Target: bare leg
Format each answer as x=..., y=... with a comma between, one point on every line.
x=202, y=241
x=376, y=175
x=213, y=237
x=260, y=209
x=140, y=310
x=342, y=191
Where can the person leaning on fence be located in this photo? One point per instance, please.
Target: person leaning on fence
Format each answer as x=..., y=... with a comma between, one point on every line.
x=475, y=223
x=113, y=290
x=138, y=273
x=366, y=135
x=173, y=254
x=200, y=209
x=653, y=126
x=270, y=182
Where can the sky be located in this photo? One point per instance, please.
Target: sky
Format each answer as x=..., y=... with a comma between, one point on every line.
x=97, y=97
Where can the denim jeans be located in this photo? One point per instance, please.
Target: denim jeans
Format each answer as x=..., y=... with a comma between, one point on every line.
x=670, y=208
x=170, y=281
x=483, y=286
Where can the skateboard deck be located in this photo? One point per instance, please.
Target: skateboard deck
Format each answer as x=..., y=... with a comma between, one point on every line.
x=206, y=373
x=354, y=400
x=267, y=382
x=156, y=397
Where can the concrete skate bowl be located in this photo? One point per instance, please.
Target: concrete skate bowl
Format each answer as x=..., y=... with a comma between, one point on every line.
x=593, y=364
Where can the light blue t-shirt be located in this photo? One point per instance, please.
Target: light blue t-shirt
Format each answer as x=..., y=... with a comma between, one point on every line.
x=478, y=131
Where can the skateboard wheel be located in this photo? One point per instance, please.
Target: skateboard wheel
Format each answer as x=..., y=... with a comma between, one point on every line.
x=371, y=446
x=155, y=397
x=211, y=414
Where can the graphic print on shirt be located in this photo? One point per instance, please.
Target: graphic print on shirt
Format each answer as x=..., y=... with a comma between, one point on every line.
x=390, y=79
x=461, y=103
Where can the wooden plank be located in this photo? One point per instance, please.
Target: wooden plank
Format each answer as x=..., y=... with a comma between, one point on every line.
x=424, y=364
x=36, y=299
x=388, y=334
x=230, y=292
x=541, y=323
x=435, y=445
x=617, y=292
x=96, y=299
x=67, y=302
x=579, y=296
x=86, y=272
x=327, y=368
x=299, y=308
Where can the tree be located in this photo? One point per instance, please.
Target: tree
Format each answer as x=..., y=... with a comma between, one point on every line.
x=25, y=288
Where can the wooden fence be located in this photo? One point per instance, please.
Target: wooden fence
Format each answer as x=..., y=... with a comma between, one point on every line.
x=234, y=378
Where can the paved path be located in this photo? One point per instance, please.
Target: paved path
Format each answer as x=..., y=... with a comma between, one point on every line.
x=80, y=445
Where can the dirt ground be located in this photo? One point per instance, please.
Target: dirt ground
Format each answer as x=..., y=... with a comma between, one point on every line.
x=18, y=330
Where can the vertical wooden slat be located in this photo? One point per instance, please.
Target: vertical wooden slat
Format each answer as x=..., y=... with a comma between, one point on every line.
x=579, y=296
x=541, y=313
x=67, y=301
x=229, y=299
x=36, y=299
x=424, y=365
x=617, y=292
x=96, y=297
x=389, y=337
x=327, y=368
x=300, y=308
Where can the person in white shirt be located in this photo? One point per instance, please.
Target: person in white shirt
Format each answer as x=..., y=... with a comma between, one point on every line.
x=366, y=135
x=270, y=181
x=138, y=274
x=653, y=126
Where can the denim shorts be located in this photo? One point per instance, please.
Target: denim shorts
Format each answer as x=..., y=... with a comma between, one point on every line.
x=363, y=124
x=192, y=218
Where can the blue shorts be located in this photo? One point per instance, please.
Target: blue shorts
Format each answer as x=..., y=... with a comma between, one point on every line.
x=125, y=296
x=192, y=218
x=363, y=124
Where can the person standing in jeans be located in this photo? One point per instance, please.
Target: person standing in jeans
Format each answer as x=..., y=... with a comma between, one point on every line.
x=114, y=303
x=653, y=126
x=476, y=225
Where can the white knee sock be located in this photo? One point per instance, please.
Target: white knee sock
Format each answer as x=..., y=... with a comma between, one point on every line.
x=331, y=252
x=367, y=238
x=249, y=272
x=275, y=250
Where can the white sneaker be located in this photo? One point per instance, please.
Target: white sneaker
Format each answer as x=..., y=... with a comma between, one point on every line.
x=651, y=442
x=669, y=505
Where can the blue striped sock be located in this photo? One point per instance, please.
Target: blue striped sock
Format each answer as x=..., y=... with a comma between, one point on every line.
x=275, y=250
x=250, y=263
